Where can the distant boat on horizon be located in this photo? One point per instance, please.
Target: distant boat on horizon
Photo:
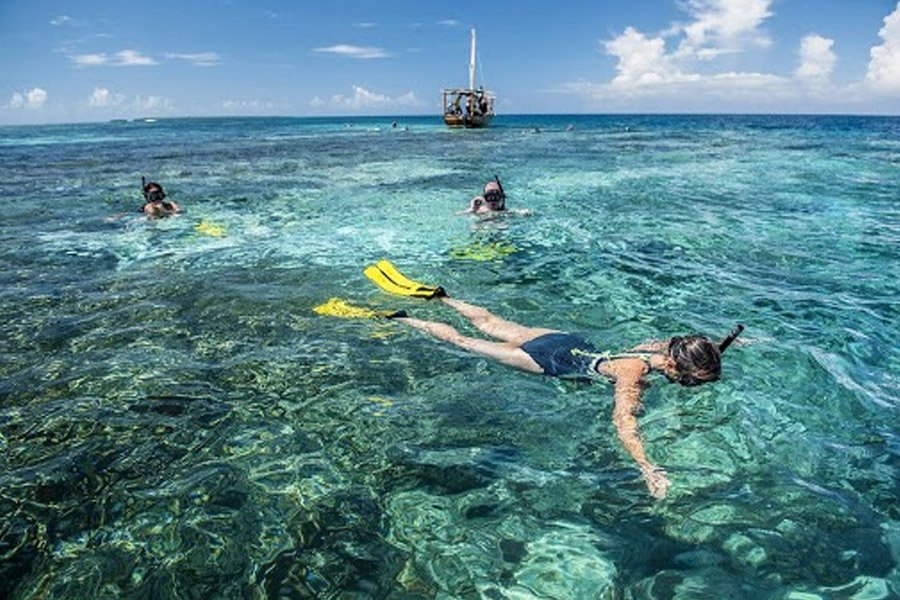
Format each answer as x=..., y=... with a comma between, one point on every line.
x=468, y=107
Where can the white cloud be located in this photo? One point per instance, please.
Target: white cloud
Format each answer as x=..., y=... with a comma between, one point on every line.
x=350, y=51
x=641, y=60
x=90, y=60
x=34, y=99
x=131, y=58
x=201, y=59
x=883, y=73
x=363, y=99
x=449, y=23
x=705, y=92
x=103, y=98
x=124, y=58
x=817, y=59
x=61, y=20
x=723, y=26
x=719, y=27
x=690, y=66
x=365, y=25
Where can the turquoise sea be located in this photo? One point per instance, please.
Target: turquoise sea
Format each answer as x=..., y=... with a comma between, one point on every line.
x=177, y=422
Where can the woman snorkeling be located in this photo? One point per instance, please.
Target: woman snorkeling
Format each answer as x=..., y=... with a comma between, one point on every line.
x=155, y=204
x=689, y=361
x=491, y=202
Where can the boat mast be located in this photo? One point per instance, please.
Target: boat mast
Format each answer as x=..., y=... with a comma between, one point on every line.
x=472, y=63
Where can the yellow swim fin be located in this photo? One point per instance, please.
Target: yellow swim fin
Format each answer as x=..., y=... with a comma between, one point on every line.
x=387, y=277
x=336, y=307
x=210, y=229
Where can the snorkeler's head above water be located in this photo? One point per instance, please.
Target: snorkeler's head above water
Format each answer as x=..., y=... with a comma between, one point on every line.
x=155, y=200
x=697, y=359
x=492, y=198
x=153, y=192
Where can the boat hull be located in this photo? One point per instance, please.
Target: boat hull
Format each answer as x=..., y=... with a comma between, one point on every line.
x=467, y=121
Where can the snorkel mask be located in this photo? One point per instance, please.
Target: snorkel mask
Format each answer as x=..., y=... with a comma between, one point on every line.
x=152, y=191
x=496, y=195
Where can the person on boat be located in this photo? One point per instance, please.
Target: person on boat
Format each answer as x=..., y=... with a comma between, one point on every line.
x=155, y=204
x=457, y=108
x=481, y=103
x=491, y=200
x=688, y=360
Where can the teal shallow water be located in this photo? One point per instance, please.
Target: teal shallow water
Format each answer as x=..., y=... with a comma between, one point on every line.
x=176, y=422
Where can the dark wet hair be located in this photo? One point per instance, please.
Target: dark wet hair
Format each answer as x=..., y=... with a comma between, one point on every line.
x=697, y=359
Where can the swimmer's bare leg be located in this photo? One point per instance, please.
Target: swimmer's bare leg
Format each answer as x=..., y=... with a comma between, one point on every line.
x=493, y=325
x=507, y=353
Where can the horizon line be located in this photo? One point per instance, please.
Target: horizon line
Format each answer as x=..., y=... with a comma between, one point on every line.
x=438, y=117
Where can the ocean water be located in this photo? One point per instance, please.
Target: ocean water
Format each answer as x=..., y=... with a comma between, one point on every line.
x=177, y=422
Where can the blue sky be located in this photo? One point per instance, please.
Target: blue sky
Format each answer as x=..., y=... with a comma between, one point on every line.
x=93, y=60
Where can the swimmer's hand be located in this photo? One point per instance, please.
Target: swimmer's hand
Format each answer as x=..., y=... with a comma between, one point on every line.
x=657, y=480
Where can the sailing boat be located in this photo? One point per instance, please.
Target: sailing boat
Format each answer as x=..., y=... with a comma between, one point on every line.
x=468, y=107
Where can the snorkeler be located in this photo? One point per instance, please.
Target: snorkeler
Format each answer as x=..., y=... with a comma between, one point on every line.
x=689, y=361
x=156, y=204
x=491, y=200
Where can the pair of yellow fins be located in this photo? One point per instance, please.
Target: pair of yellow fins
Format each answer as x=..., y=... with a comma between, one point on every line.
x=387, y=277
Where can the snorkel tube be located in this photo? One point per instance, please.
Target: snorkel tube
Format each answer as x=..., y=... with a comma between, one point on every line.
x=723, y=345
x=500, y=185
x=502, y=193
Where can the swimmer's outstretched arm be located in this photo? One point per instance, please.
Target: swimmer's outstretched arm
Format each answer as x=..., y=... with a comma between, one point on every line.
x=629, y=387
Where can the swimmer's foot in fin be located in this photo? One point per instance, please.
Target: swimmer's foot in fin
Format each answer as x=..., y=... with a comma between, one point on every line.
x=336, y=307
x=387, y=277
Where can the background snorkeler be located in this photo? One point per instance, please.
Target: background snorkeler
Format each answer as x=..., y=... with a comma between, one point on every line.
x=492, y=201
x=155, y=204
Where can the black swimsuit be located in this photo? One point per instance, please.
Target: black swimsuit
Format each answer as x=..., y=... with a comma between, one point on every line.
x=561, y=354
x=566, y=355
